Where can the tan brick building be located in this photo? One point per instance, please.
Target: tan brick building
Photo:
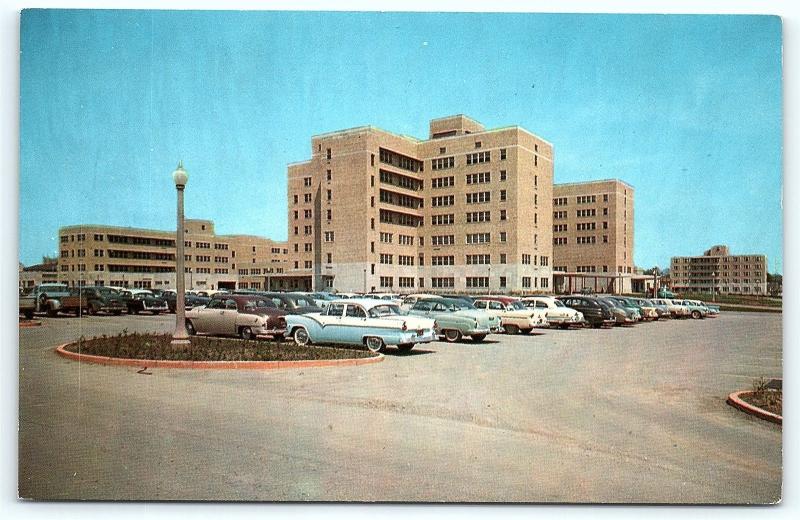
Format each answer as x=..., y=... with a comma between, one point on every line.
x=719, y=271
x=132, y=257
x=592, y=226
x=468, y=210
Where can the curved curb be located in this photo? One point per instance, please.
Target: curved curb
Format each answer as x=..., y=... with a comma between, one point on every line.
x=219, y=365
x=31, y=323
x=736, y=401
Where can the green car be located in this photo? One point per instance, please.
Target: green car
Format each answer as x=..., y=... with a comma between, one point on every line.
x=456, y=318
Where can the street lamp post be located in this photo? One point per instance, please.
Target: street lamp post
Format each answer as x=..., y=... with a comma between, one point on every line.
x=179, y=337
x=489, y=281
x=365, y=280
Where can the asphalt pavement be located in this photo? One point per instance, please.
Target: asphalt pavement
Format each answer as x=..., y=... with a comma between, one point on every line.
x=622, y=415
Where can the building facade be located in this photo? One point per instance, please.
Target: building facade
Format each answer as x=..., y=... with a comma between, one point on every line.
x=466, y=210
x=719, y=271
x=38, y=274
x=592, y=226
x=145, y=258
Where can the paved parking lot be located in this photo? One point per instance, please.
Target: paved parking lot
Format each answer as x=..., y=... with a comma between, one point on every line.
x=623, y=415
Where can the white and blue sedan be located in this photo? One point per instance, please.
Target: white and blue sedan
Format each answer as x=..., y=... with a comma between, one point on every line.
x=361, y=321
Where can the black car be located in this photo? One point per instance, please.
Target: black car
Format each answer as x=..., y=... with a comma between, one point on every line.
x=190, y=300
x=138, y=300
x=594, y=312
x=293, y=303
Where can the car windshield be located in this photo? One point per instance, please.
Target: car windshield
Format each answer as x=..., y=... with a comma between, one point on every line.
x=380, y=311
x=517, y=306
x=301, y=301
x=559, y=303
x=458, y=305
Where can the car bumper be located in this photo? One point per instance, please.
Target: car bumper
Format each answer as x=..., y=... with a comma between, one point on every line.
x=112, y=308
x=411, y=337
x=477, y=331
x=266, y=331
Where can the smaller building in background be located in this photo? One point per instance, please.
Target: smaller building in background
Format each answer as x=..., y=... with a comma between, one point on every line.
x=719, y=271
x=46, y=272
x=145, y=258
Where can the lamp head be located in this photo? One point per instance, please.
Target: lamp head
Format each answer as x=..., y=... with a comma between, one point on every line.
x=179, y=176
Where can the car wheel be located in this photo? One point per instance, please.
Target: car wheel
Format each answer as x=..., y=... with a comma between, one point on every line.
x=375, y=344
x=247, y=333
x=525, y=331
x=117, y=313
x=565, y=326
x=696, y=315
x=451, y=336
x=511, y=329
x=190, y=330
x=301, y=337
x=28, y=315
x=406, y=347
x=92, y=311
x=278, y=337
x=477, y=338
x=52, y=312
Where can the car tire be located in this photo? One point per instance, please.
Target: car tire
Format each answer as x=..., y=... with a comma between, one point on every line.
x=511, y=329
x=28, y=315
x=117, y=313
x=525, y=331
x=92, y=311
x=278, y=337
x=301, y=337
x=405, y=347
x=451, y=335
x=190, y=330
x=51, y=312
x=374, y=344
x=246, y=333
x=696, y=315
x=477, y=338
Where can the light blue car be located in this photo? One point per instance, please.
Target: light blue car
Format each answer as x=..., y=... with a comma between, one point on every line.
x=375, y=324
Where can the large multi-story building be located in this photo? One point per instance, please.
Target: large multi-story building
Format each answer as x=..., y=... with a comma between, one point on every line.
x=131, y=257
x=468, y=210
x=719, y=271
x=593, y=236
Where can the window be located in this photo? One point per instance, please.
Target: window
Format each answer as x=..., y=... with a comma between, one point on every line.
x=442, y=283
x=445, y=200
x=478, y=259
x=503, y=236
x=503, y=175
x=479, y=197
x=387, y=281
x=328, y=175
x=307, y=197
x=502, y=214
x=479, y=157
x=526, y=259
x=479, y=178
x=443, y=220
x=442, y=182
x=443, y=260
x=479, y=238
x=386, y=258
x=474, y=282
x=328, y=154
x=443, y=240
x=443, y=163
x=306, y=213
x=502, y=195
x=544, y=260
x=480, y=216
x=329, y=194
x=526, y=282
x=405, y=281
x=502, y=258
x=329, y=236
x=330, y=214
x=478, y=144
x=307, y=181
x=503, y=154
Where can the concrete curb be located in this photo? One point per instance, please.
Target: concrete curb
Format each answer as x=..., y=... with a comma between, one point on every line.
x=736, y=401
x=31, y=323
x=219, y=365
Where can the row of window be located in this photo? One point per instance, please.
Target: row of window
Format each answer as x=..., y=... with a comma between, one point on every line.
x=584, y=240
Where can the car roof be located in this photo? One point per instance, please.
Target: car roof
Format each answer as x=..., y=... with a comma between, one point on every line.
x=367, y=303
x=503, y=299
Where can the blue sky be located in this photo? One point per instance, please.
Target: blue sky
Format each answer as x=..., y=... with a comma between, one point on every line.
x=687, y=109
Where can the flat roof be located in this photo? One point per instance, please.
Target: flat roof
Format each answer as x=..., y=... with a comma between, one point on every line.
x=599, y=181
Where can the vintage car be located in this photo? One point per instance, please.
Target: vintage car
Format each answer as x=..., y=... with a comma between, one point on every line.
x=42, y=298
x=142, y=300
x=456, y=318
x=596, y=313
x=557, y=314
x=293, y=303
x=189, y=300
x=631, y=308
x=697, y=310
x=662, y=311
x=675, y=309
x=91, y=300
x=647, y=311
x=410, y=299
x=235, y=315
x=361, y=321
x=515, y=317
x=623, y=315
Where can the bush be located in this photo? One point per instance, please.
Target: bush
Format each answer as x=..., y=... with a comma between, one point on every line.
x=149, y=346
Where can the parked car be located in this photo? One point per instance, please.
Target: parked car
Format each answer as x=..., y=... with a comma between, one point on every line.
x=373, y=323
x=42, y=298
x=142, y=300
x=91, y=300
x=190, y=300
x=322, y=299
x=208, y=293
x=514, y=317
x=675, y=309
x=697, y=310
x=647, y=311
x=661, y=310
x=456, y=318
x=410, y=299
x=665, y=293
x=556, y=312
x=235, y=315
x=293, y=303
x=622, y=315
x=632, y=310
x=595, y=314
